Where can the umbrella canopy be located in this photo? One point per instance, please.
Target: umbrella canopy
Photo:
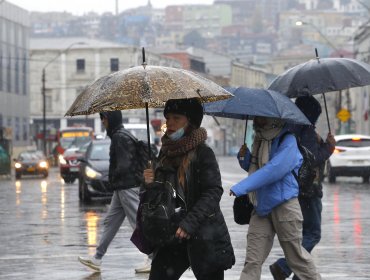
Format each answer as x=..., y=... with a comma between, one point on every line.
x=139, y=86
x=322, y=75
x=249, y=102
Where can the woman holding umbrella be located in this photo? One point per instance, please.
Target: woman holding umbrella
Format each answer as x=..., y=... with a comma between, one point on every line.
x=273, y=190
x=202, y=240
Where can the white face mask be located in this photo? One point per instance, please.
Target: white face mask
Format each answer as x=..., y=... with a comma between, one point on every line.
x=177, y=134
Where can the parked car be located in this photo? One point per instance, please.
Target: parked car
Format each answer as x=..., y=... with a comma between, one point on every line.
x=31, y=163
x=351, y=157
x=93, y=171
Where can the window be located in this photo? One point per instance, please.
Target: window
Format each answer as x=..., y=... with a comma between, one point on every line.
x=80, y=64
x=114, y=64
x=25, y=129
x=17, y=129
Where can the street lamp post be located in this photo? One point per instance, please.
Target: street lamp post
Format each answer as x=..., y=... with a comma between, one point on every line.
x=43, y=91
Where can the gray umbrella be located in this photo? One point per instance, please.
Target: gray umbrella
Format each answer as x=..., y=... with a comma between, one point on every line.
x=321, y=76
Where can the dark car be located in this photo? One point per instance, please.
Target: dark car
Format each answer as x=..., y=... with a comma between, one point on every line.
x=31, y=163
x=93, y=171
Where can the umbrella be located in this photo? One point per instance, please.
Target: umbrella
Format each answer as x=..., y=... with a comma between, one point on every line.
x=321, y=76
x=250, y=102
x=144, y=87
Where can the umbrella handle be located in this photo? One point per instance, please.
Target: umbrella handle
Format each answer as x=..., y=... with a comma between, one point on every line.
x=144, y=61
x=326, y=111
x=147, y=130
x=245, y=130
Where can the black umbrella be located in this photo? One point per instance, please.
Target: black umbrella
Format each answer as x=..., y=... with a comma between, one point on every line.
x=322, y=75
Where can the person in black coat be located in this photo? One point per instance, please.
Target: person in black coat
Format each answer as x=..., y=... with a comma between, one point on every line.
x=125, y=199
x=309, y=200
x=202, y=240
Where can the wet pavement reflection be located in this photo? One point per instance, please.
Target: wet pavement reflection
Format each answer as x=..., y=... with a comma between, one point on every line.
x=44, y=228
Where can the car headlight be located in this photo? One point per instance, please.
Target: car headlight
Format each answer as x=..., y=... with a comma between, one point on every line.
x=17, y=165
x=62, y=160
x=91, y=173
x=43, y=164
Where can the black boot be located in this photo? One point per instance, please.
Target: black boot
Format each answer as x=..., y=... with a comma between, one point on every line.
x=277, y=272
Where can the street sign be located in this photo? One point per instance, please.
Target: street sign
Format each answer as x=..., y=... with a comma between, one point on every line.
x=343, y=115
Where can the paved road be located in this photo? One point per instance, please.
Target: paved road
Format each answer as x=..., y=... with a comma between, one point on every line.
x=43, y=228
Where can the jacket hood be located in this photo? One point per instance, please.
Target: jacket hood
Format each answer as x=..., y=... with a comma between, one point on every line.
x=114, y=121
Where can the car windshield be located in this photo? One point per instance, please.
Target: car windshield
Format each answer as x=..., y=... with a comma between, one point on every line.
x=83, y=148
x=31, y=156
x=100, y=151
x=354, y=143
x=74, y=142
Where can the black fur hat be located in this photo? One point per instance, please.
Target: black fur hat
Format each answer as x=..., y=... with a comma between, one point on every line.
x=191, y=108
x=310, y=107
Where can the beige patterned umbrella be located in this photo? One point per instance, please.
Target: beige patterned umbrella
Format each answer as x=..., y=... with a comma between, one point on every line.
x=137, y=86
x=144, y=87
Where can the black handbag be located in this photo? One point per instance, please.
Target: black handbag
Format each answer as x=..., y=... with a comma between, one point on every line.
x=242, y=209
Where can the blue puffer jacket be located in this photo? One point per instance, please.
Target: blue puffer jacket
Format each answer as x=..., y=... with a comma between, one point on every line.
x=274, y=183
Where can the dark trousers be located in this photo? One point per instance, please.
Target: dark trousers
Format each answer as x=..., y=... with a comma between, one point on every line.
x=170, y=262
x=311, y=210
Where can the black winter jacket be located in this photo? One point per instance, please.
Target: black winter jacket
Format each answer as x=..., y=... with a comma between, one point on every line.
x=321, y=150
x=121, y=154
x=209, y=247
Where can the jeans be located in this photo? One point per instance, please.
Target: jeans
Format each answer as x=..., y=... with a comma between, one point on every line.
x=311, y=210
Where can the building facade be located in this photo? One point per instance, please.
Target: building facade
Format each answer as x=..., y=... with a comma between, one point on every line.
x=14, y=74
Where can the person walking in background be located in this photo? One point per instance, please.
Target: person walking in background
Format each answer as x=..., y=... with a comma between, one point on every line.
x=202, y=240
x=309, y=199
x=273, y=190
x=125, y=199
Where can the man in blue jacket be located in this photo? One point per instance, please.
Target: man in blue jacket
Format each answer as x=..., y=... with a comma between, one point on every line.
x=273, y=190
x=309, y=199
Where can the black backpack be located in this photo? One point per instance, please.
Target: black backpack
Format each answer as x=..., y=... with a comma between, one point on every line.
x=141, y=158
x=160, y=215
x=307, y=172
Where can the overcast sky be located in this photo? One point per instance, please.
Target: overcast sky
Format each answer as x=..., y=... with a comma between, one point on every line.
x=80, y=7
